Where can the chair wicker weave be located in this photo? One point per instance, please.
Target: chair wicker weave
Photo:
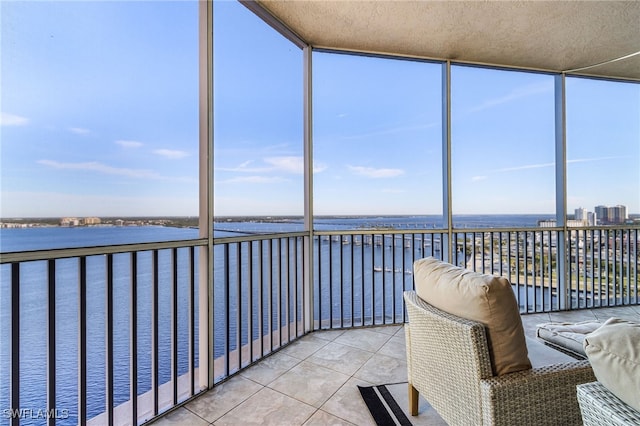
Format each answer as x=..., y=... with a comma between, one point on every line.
x=600, y=407
x=448, y=364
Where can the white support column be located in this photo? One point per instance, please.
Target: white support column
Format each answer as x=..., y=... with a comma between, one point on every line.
x=308, y=191
x=445, y=246
x=205, y=262
x=561, y=188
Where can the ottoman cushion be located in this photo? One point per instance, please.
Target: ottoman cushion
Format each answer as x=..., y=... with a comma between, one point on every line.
x=566, y=335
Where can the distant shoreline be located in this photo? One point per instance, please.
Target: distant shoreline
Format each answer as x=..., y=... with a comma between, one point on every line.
x=46, y=222
x=193, y=221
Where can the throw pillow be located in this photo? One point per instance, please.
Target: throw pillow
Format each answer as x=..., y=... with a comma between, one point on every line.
x=614, y=353
x=487, y=299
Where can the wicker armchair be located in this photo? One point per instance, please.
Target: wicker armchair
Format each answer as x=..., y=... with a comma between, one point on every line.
x=448, y=364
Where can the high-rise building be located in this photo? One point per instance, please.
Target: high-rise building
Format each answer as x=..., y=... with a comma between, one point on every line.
x=602, y=213
x=617, y=214
x=611, y=215
x=580, y=213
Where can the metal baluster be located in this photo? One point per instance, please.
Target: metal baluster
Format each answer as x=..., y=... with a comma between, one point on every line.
x=15, y=343
x=174, y=323
x=108, y=335
x=133, y=338
x=154, y=332
x=51, y=341
x=341, y=283
x=261, y=297
x=82, y=343
x=250, y=299
x=238, y=285
x=192, y=320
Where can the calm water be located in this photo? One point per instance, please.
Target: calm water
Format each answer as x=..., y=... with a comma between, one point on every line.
x=33, y=345
x=33, y=323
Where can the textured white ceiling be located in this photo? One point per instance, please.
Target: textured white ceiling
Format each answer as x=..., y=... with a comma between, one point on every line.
x=548, y=35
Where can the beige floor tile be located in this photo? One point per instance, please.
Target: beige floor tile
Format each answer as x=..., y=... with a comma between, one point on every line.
x=604, y=314
x=322, y=418
x=347, y=403
x=401, y=332
x=328, y=334
x=339, y=357
x=305, y=346
x=181, y=417
x=395, y=347
x=541, y=354
x=388, y=329
x=382, y=369
x=572, y=316
x=530, y=323
x=269, y=369
x=366, y=339
x=268, y=407
x=223, y=398
x=309, y=383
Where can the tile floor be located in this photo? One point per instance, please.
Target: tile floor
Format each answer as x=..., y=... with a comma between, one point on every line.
x=314, y=380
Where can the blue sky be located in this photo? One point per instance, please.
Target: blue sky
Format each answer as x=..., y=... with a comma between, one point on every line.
x=100, y=117
x=99, y=108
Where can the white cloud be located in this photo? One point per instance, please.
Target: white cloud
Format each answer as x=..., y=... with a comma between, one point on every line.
x=586, y=160
x=393, y=130
x=292, y=164
x=543, y=165
x=171, y=154
x=525, y=167
x=373, y=173
x=478, y=178
x=7, y=119
x=319, y=167
x=244, y=168
x=522, y=92
x=253, y=180
x=79, y=130
x=129, y=144
x=286, y=164
x=94, y=166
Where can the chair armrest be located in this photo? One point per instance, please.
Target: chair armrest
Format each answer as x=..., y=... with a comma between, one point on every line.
x=599, y=407
x=545, y=395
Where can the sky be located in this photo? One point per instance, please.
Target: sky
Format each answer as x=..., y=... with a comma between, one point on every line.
x=99, y=117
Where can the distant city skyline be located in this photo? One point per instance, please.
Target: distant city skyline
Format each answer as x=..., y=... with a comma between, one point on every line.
x=99, y=117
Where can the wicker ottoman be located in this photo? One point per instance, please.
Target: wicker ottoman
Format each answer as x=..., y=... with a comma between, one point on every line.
x=599, y=407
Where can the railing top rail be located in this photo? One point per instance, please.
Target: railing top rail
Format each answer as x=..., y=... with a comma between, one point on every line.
x=606, y=228
x=35, y=255
x=378, y=231
x=259, y=237
x=62, y=253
